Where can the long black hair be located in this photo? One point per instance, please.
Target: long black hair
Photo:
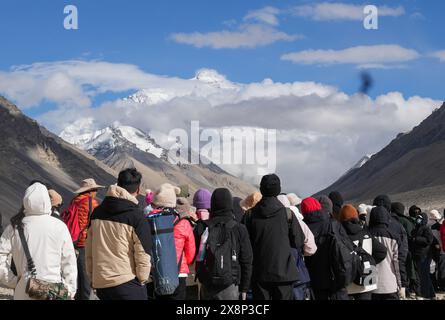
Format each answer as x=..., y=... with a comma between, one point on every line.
x=17, y=220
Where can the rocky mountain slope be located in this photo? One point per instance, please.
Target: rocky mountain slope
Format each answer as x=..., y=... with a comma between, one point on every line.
x=29, y=151
x=413, y=164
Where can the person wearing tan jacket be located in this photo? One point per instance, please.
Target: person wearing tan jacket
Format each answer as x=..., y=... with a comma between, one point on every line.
x=119, y=243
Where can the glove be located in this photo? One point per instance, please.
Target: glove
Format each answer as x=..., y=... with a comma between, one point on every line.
x=402, y=293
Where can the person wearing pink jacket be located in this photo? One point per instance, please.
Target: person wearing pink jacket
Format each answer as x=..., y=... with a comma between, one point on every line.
x=309, y=241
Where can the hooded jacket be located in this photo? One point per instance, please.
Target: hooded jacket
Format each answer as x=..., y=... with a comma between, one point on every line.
x=407, y=223
x=222, y=212
x=370, y=244
x=49, y=243
x=320, y=265
x=119, y=241
x=272, y=237
x=309, y=241
x=388, y=280
x=399, y=231
x=421, y=238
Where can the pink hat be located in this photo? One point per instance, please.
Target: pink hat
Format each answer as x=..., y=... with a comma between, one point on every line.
x=149, y=196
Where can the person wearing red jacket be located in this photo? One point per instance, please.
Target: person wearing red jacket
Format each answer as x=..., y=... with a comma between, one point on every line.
x=166, y=198
x=81, y=202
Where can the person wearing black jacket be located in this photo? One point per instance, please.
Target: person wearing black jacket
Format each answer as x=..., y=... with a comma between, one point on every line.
x=325, y=282
x=221, y=212
x=397, y=229
x=421, y=241
x=388, y=280
x=273, y=233
x=411, y=283
x=362, y=238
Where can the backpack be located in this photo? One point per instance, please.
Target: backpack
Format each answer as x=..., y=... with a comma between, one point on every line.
x=71, y=219
x=166, y=270
x=366, y=267
x=303, y=273
x=219, y=267
x=344, y=259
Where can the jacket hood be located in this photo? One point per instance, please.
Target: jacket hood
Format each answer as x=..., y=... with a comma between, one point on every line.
x=337, y=201
x=414, y=211
x=316, y=216
x=118, y=201
x=352, y=226
x=36, y=201
x=326, y=204
x=384, y=201
x=379, y=216
x=120, y=193
x=268, y=207
x=398, y=208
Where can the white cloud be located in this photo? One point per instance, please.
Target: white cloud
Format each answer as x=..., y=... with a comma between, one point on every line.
x=371, y=56
x=267, y=15
x=246, y=36
x=321, y=130
x=440, y=55
x=330, y=11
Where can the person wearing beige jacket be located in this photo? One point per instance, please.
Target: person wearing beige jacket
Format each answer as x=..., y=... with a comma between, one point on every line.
x=119, y=243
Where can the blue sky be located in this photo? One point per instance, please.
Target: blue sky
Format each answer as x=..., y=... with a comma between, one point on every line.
x=137, y=32
x=122, y=47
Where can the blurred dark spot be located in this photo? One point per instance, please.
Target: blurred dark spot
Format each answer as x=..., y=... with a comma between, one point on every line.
x=366, y=82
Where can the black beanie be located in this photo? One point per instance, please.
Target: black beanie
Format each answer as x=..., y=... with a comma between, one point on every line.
x=337, y=201
x=398, y=208
x=270, y=185
x=383, y=201
x=221, y=202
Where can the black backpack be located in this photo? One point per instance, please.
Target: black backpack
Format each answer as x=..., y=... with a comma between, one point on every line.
x=344, y=259
x=366, y=268
x=220, y=265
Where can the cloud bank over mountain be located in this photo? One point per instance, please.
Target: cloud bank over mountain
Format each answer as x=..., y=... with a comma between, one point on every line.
x=321, y=131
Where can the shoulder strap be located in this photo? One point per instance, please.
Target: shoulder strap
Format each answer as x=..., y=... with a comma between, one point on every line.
x=30, y=262
x=180, y=261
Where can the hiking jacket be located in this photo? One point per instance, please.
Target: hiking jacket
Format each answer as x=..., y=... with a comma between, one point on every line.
x=320, y=265
x=310, y=247
x=370, y=244
x=119, y=241
x=49, y=243
x=403, y=246
x=83, y=212
x=185, y=245
x=389, y=280
x=272, y=237
x=421, y=240
x=243, y=247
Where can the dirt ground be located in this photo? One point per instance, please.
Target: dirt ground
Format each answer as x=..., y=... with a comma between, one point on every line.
x=6, y=294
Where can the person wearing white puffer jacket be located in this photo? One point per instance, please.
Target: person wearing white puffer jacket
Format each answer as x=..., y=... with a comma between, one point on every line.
x=49, y=242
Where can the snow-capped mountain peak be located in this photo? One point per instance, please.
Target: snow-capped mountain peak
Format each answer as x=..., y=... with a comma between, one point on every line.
x=101, y=143
x=362, y=161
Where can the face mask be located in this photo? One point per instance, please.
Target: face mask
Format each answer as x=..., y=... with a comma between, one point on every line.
x=419, y=219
